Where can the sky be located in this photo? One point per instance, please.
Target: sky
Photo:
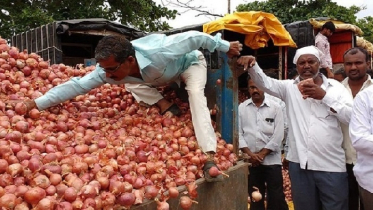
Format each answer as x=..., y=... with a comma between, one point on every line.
x=221, y=7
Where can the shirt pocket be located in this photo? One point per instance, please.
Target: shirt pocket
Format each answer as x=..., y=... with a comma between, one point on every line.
x=268, y=126
x=320, y=110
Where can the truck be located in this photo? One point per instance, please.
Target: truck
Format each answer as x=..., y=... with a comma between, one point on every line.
x=71, y=42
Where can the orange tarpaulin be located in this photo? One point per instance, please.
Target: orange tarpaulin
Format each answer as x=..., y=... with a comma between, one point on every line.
x=258, y=27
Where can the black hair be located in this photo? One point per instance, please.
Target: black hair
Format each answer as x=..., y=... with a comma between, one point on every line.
x=341, y=71
x=354, y=50
x=329, y=25
x=370, y=72
x=117, y=46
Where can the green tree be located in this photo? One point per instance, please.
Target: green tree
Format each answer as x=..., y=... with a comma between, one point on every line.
x=20, y=15
x=366, y=25
x=288, y=11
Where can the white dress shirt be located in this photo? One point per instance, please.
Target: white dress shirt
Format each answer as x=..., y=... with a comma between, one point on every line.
x=347, y=144
x=361, y=133
x=262, y=127
x=321, y=42
x=315, y=136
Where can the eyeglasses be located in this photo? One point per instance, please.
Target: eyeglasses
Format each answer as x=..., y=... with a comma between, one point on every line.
x=113, y=69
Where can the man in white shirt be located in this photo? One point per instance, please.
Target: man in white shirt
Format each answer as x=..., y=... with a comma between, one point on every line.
x=356, y=63
x=361, y=133
x=315, y=109
x=261, y=131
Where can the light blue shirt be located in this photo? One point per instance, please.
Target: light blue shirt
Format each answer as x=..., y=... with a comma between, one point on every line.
x=262, y=127
x=161, y=60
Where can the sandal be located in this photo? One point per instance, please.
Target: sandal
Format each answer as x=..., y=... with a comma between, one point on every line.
x=208, y=164
x=174, y=109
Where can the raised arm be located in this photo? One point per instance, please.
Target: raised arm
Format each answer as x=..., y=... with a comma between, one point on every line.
x=68, y=90
x=182, y=43
x=267, y=84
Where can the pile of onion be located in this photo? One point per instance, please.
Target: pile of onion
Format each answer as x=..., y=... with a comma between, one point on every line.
x=98, y=151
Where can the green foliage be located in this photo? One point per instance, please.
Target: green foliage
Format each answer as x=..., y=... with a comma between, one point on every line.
x=17, y=16
x=366, y=25
x=288, y=11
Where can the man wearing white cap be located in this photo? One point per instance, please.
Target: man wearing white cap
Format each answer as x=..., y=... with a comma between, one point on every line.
x=316, y=106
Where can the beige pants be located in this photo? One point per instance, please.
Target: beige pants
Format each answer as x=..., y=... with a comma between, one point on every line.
x=195, y=78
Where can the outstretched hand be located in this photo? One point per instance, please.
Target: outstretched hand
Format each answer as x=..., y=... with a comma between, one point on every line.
x=30, y=104
x=247, y=61
x=234, y=49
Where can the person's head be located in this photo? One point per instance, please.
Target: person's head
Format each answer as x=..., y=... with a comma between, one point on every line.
x=116, y=56
x=307, y=61
x=256, y=95
x=340, y=74
x=356, y=62
x=328, y=28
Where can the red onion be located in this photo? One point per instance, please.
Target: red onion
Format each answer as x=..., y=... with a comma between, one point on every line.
x=126, y=199
x=9, y=201
x=34, y=195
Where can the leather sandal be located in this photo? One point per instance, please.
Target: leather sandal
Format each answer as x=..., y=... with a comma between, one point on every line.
x=174, y=109
x=208, y=164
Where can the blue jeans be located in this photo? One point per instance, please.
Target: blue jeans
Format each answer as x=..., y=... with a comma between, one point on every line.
x=316, y=190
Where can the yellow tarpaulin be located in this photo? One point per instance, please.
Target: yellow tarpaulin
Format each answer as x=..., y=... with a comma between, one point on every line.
x=339, y=25
x=361, y=42
x=258, y=27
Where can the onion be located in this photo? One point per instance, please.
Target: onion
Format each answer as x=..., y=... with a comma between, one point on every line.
x=3, y=165
x=126, y=199
x=45, y=203
x=34, y=195
x=9, y=201
x=70, y=194
x=151, y=192
x=256, y=195
x=64, y=206
x=21, y=108
x=173, y=192
x=186, y=202
x=41, y=181
x=162, y=205
x=15, y=169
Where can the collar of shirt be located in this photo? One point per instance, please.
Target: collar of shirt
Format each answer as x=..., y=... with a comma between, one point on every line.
x=322, y=36
x=367, y=83
x=265, y=102
x=142, y=60
x=325, y=82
